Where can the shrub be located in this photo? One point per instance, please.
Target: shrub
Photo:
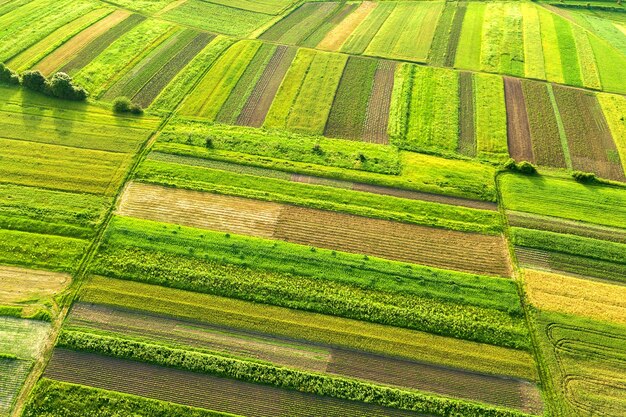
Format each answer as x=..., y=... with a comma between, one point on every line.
x=36, y=81
x=523, y=167
x=8, y=76
x=61, y=86
x=585, y=177
x=124, y=105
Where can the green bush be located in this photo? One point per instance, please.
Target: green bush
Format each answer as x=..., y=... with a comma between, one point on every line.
x=124, y=105
x=36, y=81
x=584, y=177
x=61, y=86
x=523, y=167
x=8, y=76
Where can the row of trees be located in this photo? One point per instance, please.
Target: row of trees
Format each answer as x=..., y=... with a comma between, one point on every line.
x=59, y=85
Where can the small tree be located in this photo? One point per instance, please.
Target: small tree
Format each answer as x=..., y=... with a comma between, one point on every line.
x=61, y=86
x=124, y=105
x=584, y=177
x=8, y=76
x=36, y=81
x=523, y=167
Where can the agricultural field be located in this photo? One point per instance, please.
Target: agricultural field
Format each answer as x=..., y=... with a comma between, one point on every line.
x=280, y=208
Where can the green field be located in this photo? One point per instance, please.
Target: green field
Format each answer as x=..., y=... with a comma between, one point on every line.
x=317, y=208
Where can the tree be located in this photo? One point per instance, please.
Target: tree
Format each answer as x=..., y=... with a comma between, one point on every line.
x=36, y=81
x=61, y=86
x=124, y=105
x=8, y=76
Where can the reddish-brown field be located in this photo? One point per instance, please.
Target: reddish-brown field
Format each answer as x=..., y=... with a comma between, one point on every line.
x=260, y=100
x=518, y=127
x=377, y=117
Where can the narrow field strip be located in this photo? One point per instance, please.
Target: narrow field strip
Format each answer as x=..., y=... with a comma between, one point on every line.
x=155, y=85
x=199, y=390
x=311, y=357
x=306, y=327
x=332, y=21
x=334, y=39
x=136, y=77
x=439, y=48
x=542, y=121
x=27, y=58
x=379, y=104
x=239, y=96
x=590, y=142
x=88, y=43
x=365, y=32
x=467, y=129
x=260, y=100
x=301, y=23
x=518, y=126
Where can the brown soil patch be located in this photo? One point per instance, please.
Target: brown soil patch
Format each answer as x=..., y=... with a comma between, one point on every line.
x=232, y=342
x=199, y=209
x=377, y=117
x=518, y=127
x=467, y=134
x=70, y=48
x=505, y=392
x=258, y=104
x=336, y=37
x=590, y=142
x=441, y=248
x=18, y=285
x=200, y=390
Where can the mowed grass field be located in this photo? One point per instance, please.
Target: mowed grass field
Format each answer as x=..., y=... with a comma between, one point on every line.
x=316, y=212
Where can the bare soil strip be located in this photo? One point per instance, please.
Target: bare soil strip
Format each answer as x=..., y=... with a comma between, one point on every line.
x=467, y=134
x=260, y=100
x=377, y=117
x=397, y=241
x=455, y=34
x=447, y=249
x=590, y=142
x=518, y=127
x=507, y=392
x=340, y=33
x=199, y=390
x=200, y=335
x=21, y=284
x=416, y=195
x=199, y=209
x=70, y=48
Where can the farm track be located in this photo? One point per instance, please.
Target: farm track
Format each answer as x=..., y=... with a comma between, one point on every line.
x=258, y=104
x=467, y=129
x=518, y=127
x=379, y=369
x=75, y=44
x=377, y=116
x=205, y=391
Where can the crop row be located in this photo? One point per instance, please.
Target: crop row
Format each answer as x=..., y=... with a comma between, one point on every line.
x=332, y=386
x=278, y=351
x=309, y=327
x=412, y=211
x=13, y=373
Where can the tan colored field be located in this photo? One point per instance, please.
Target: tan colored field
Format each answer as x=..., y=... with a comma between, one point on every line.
x=61, y=55
x=446, y=249
x=198, y=209
x=583, y=297
x=468, y=252
x=336, y=37
x=20, y=285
